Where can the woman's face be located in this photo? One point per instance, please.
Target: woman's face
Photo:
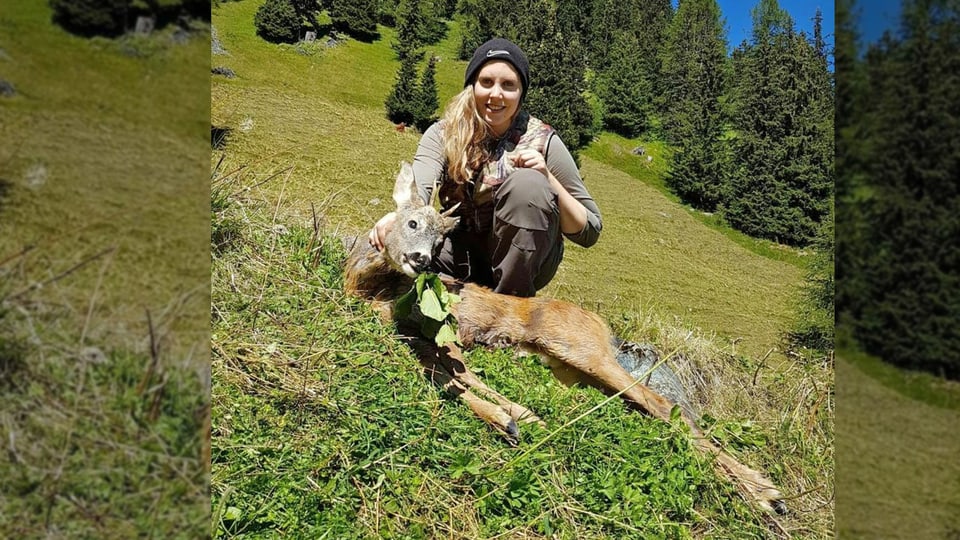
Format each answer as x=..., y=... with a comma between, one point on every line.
x=497, y=92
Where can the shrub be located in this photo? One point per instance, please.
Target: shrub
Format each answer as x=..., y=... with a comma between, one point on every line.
x=277, y=22
x=91, y=17
x=358, y=18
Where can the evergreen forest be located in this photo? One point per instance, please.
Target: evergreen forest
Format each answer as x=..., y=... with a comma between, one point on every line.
x=898, y=238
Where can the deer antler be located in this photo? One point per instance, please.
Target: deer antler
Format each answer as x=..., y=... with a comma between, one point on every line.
x=448, y=211
x=433, y=194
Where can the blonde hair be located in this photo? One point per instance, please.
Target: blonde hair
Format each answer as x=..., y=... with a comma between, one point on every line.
x=464, y=137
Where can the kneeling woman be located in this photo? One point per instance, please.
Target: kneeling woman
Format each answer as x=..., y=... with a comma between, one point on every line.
x=517, y=185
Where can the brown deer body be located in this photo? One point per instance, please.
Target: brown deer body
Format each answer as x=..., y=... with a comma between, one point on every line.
x=575, y=343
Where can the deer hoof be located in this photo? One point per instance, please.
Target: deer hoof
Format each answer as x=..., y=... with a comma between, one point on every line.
x=779, y=507
x=512, y=432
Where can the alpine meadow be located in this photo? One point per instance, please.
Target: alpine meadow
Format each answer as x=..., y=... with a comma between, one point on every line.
x=104, y=271
x=323, y=423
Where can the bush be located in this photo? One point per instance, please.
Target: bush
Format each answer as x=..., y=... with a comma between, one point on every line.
x=358, y=18
x=91, y=17
x=277, y=22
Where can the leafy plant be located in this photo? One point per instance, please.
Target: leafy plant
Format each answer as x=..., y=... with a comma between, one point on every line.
x=277, y=21
x=433, y=301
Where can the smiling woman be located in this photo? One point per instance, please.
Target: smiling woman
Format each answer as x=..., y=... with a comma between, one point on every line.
x=511, y=180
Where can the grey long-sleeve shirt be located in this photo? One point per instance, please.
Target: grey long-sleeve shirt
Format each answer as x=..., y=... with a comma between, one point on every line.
x=429, y=164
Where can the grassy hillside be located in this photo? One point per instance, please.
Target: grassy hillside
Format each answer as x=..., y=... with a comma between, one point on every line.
x=103, y=218
x=897, y=470
x=294, y=359
x=318, y=120
x=324, y=425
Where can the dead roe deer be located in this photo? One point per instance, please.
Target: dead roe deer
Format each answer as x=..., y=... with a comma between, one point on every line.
x=576, y=344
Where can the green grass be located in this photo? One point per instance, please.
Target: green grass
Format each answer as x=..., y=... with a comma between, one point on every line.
x=109, y=152
x=103, y=219
x=324, y=424
x=615, y=150
x=311, y=394
x=897, y=467
x=320, y=120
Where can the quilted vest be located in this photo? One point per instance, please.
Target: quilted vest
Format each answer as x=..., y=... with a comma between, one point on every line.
x=526, y=133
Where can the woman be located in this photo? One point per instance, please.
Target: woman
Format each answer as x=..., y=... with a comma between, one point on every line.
x=517, y=184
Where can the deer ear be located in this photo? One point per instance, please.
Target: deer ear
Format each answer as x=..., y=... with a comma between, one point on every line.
x=405, y=192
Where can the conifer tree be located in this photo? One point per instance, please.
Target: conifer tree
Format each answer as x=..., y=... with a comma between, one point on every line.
x=387, y=12
x=624, y=90
x=308, y=9
x=782, y=186
x=908, y=299
x=403, y=102
x=427, y=100
x=91, y=17
x=815, y=322
x=651, y=29
x=409, y=38
x=608, y=18
x=850, y=133
x=355, y=17
x=476, y=18
x=433, y=27
x=557, y=79
x=574, y=16
x=277, y=22
x=693, y=79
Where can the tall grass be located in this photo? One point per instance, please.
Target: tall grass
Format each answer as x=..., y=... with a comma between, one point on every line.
x=103, y=273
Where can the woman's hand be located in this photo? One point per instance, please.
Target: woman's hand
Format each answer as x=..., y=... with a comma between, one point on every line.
x=380, y=230
x=531, y=159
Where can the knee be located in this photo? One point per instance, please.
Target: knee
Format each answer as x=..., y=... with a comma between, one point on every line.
x=526, y=188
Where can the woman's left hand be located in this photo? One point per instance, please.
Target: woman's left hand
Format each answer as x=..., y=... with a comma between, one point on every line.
x=531, y=159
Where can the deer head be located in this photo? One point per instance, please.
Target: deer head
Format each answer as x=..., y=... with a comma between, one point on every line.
x=418, y=230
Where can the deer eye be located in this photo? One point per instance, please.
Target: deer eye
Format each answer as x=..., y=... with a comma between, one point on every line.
x=412, y=224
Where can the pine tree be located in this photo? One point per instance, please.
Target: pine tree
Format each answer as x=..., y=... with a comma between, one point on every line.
x=409, y=38
x=308, y=9
x=433, y=27
x=607, y=19
x=850, y=132
x=387, y=12
x=403, y=102
x=908, y=296
x=574, y=16
x=557, y=79
x=476, y=24
x=624, y=90
x=815, y=322
x=782, y=186
x=651, y=30
x=277, y=22
x=693, y=78
x=427, y=100
x=91, y=17
x=355, y=17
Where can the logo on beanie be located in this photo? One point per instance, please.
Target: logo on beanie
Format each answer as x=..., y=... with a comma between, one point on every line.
x=497, y=52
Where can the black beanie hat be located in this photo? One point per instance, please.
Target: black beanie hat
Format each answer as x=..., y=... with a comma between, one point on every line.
x=499, y=49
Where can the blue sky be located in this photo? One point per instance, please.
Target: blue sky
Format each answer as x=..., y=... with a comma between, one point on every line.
x=875, y=16
x=740, y=23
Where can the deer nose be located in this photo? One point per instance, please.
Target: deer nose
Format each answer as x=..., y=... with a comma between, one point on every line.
x=417, y=260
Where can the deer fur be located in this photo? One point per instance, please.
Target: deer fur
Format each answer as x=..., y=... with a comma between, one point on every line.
x=575, y=343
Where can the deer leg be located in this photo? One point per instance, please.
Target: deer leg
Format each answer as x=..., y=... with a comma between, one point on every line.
x=429, y=356
x=452, y=359
x=603, y=368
